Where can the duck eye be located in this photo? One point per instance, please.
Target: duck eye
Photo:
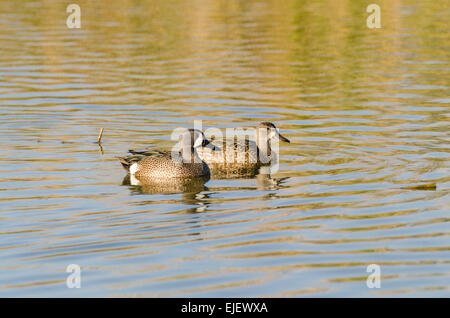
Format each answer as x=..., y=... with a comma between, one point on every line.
x=205, y=143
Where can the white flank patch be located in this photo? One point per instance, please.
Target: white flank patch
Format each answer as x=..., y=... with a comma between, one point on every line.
x=134, y=168
x=134, y=181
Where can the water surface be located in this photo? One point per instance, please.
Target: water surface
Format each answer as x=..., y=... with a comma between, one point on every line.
x=367, y=112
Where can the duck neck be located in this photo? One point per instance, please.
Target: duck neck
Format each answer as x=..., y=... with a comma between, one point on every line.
x=263, y=143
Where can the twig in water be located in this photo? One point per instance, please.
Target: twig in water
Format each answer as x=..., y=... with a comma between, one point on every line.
x=101, y=148
x=99, y=139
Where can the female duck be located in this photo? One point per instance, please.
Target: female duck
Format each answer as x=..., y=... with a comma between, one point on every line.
x=243, y=152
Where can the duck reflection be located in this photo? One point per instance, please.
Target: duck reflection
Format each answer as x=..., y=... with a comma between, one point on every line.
x=195, y=192
x=266, y=182
x=167, y=186
x=190, y=188
x=262, y=175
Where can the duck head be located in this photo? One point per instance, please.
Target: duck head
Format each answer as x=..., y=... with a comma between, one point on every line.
x=269, y=130
x=194, y=138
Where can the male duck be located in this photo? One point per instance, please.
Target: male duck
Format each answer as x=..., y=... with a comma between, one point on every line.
x=162, y=164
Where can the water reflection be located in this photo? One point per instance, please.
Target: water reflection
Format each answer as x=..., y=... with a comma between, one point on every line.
x=191, y=187
x=267, y=182
x=166, y=186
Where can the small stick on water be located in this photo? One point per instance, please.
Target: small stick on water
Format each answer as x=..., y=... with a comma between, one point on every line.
x=99, y=139
x=101, y=148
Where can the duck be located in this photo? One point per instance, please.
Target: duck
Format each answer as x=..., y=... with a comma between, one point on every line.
x=182, y=162
x=245, y=156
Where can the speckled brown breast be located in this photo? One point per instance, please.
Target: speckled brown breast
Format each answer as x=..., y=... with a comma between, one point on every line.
x=242, y=159
x=165, y=167
x=158, y=164
x=234, y=152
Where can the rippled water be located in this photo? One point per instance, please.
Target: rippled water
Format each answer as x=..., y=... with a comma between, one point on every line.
x=367, y=112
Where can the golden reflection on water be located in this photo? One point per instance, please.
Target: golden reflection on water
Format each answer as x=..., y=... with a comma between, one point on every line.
x=366, y=112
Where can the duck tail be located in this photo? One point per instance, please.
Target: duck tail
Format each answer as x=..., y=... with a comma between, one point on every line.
x=129, y=160
x=126, y=162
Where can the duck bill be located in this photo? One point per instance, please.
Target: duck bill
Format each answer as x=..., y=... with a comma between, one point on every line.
x=282, y=138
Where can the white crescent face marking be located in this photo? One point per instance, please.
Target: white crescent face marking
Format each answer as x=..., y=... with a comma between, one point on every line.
x=198, y=142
